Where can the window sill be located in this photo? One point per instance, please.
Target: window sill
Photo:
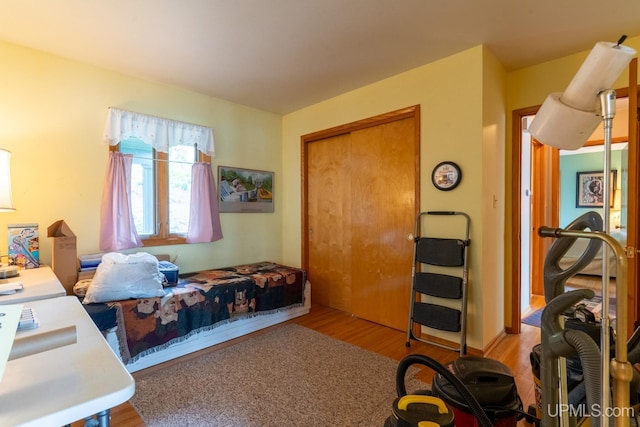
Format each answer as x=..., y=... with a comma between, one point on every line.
x=157, y=241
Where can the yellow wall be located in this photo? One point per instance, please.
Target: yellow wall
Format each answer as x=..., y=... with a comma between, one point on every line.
x=52, y=116
x=493, y=200
x=453, y=127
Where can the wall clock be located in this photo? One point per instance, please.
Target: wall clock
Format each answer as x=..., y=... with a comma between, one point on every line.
x=446, y=176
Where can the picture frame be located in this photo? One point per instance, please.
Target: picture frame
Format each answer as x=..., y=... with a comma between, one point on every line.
x=24, y=245
x=245, y=190
x=589, y=189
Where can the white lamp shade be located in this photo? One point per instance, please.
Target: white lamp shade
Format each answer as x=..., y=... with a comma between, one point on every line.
x=559, y=125
x=6, y=202
x=567, y=120
x=603, y=66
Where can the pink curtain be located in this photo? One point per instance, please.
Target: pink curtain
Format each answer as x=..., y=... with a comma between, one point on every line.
x=117, y=229
x=204, y=217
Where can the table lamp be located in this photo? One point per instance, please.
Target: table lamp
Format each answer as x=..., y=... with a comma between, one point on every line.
x=565, y=121
x=6, y=203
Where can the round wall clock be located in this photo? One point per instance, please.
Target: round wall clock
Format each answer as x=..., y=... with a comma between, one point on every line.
x=446, y=176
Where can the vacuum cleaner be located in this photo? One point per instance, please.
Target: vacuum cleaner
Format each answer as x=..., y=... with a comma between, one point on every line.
x=468, y=392
x=559, y=343
x=571, y=380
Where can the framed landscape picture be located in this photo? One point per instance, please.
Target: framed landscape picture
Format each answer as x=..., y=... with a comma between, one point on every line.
x=245, y=190
x=590, y=189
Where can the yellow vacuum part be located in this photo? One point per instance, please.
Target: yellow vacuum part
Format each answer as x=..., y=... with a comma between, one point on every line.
x=405, y=401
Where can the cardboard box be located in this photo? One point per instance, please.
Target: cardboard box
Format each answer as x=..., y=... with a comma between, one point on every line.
x=64, y=254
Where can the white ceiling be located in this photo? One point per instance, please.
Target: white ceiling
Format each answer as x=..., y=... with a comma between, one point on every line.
x=282, y=55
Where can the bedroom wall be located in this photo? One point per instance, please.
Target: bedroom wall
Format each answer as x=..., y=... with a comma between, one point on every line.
x=570, y=165
x=52, y=116
x=458, y=123
x=493, y=175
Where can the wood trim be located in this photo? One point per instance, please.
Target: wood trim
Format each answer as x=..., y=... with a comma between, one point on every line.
x=596, y=142
x=516, y=155
x=392, y=116
x=516, y=214
x=162, y=194
x=409, y=112
x=304, y=201
x=494, y=343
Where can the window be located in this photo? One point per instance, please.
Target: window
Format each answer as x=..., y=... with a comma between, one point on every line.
x=158, y=208
x=161, y=190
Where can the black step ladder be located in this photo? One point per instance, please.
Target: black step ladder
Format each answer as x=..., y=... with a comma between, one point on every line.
x=439, y=281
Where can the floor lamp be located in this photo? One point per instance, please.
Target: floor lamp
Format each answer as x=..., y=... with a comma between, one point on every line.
x=566, y=120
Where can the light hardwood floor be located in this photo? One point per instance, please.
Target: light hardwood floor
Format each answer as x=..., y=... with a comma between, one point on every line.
x=512, y=350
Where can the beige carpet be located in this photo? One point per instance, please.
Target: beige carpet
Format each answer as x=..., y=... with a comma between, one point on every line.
x=291, y=376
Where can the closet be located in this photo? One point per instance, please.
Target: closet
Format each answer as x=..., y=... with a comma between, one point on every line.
x=361, y=184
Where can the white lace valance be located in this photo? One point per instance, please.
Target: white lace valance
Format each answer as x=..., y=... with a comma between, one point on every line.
x=158, y=132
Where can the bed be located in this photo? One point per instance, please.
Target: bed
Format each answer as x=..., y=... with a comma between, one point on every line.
x=203, y=309
x=594, y=268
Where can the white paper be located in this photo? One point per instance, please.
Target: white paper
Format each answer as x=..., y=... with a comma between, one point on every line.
x=9, y=318
x=10, y=288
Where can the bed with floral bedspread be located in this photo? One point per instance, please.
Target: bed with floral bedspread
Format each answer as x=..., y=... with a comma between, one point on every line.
x=204, y=301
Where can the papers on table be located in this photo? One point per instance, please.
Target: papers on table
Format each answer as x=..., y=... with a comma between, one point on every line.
x=10, y=288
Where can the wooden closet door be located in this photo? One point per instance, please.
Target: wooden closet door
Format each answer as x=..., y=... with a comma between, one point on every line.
x=329, y=213
x=361, y=201
x=382, y=213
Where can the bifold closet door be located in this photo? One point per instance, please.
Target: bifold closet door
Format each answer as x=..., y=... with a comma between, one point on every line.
x=329, y=213
x=383, y=179
x=361, y=205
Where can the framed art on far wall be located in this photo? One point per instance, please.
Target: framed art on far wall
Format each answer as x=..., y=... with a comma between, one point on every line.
x=245, y=190
x=590, y=189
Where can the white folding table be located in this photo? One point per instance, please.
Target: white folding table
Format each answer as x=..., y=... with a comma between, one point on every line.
x=38, y=283
x=67, y=384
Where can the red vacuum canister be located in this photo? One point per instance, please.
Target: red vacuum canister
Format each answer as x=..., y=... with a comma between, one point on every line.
x=490, y=382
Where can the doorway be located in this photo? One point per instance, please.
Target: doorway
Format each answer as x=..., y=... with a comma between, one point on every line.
x=360, y=200
x=549, y=204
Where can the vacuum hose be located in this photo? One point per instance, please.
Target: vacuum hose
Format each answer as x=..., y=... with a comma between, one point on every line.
x=466, y=395
x=589, y=355
x=556, y=343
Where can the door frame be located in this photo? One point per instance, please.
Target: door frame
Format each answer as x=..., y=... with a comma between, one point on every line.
x=516, y=210
x=541, y=191
x=404, y=113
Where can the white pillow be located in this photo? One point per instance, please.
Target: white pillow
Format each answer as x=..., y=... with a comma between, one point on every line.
x=120, y=277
